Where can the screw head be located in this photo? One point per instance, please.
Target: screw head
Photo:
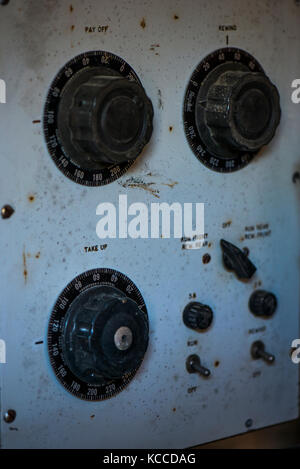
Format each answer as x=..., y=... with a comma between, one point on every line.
x=6, y=211
x=9, y=416
x=248, y=423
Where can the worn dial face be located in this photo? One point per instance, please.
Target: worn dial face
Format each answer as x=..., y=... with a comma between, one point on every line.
x=199, y=80
x=82, y=283
x=61, y=157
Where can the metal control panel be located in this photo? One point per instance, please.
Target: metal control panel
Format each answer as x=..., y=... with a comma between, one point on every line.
x=148, y=342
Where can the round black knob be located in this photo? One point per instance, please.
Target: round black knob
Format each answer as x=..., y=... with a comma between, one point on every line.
x=197, y=315
x=262, y=303
x=105, y=335
x=104, y=119
x=241, y=111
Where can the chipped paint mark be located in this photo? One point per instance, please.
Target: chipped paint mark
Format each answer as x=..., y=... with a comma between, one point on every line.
x=217, y=363
x=153, y=48
x=192, y=295
x=25, y=271
x=71, y=8
x=171, y=128
x=38, y=254
x=227, y=224
x=72, y=27
x=39, y=342
x=139, y=183
x=170, y=184
x=160, y=102
x=92, y=416
x=143, y=23
x=37, y=121
x=174, y=409
x=176, y=17
x=31, y=198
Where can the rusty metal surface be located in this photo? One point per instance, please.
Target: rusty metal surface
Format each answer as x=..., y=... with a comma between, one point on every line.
x=48, y=239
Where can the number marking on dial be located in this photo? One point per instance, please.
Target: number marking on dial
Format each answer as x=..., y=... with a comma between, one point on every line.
x=81, y=283
x=63, y=162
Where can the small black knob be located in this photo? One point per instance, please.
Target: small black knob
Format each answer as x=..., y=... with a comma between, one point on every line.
x=197, y=315
x=242, y=110
x=105, y=335
x=107, y=119
x=193, y=365
x=235, y=259
x=262, y=303
x=258, y=351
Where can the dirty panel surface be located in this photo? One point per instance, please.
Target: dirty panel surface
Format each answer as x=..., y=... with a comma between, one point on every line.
x=42, y=244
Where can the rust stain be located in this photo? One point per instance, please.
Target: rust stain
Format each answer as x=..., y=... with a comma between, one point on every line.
x=143, y=23
x=31, y=198
x=71, y=8
x=38, y=254
x=217, y=363
x=37, y=121
x=174, y=409
x=92, y=416
x=209, y=245
x=226, y=224
x=176, y=17
x=145, y=187
x=170, y=184
x=25, y=271
x=72, y=27
x=137, y=183
x=171, y=128
x=206, y=258
x=153, y=48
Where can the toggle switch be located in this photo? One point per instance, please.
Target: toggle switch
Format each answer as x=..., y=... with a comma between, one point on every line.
x=258, y=351
x=193, y=365
x=236, y=260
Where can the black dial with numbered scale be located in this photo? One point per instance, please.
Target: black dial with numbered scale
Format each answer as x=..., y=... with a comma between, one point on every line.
x=98, y=334
x=97, y=118
x=231, y=110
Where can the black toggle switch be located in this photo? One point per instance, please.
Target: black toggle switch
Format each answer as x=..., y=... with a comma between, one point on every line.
x=258, y=351
x=193, y=365
x=235, y=259
x=262, y=303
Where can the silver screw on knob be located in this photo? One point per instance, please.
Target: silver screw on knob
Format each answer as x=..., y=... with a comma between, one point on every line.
x=123, y=338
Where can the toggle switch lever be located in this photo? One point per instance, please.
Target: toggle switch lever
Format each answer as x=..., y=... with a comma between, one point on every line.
x=258, y=351
x=236, y=260
x=193, y=365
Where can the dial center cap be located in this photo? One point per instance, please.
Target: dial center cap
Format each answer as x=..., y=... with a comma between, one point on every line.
x=123, y=338
x=121, y=119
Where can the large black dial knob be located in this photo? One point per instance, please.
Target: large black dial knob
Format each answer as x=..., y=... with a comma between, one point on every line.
x=105, y=119
x=105, y=335
x=197, y=315
x=242, y=111
x=262, y=303
x=231, y=109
